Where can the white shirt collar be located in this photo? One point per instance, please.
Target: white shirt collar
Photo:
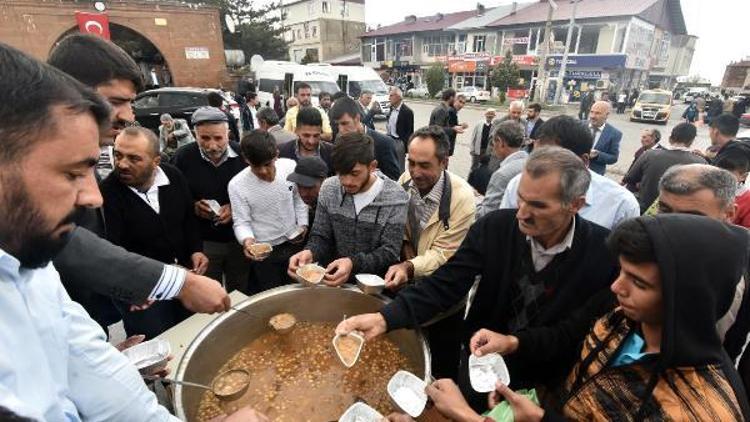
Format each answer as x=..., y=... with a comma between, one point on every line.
x=542, y=256
x=600, y=129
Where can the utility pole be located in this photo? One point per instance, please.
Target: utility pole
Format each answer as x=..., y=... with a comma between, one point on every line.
x=564, y=64
x=541, y=77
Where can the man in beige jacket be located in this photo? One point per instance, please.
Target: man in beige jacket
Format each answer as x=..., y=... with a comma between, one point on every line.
x=441, y=209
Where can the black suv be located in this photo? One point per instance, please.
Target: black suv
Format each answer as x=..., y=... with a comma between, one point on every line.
x=178, y=102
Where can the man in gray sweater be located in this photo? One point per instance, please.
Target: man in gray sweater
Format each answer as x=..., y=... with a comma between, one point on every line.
x=360, y=217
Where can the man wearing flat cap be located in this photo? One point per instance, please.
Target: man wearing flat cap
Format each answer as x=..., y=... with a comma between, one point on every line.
x=209, y=164
x=309, y=174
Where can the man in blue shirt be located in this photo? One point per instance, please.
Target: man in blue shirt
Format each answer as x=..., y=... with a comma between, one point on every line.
x=55, y=363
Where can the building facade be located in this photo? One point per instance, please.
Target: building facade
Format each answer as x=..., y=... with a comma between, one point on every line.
x=615, y=45
x=319, y=30
x=174, y=44
x=737, y=77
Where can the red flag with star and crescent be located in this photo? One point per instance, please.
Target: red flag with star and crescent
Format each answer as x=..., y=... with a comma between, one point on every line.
x=93, y=23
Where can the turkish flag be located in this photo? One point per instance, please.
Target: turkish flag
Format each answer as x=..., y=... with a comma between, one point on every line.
x=93, y=23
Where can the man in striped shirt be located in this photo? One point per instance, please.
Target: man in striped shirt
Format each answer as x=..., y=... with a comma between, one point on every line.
x=266, y=208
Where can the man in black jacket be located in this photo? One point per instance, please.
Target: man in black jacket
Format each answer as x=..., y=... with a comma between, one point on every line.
x=344, y=113
x=208, y=165
x=309, y=128
x=149, y=210
x=537, y=265
x=399, y=124
x=441, y=116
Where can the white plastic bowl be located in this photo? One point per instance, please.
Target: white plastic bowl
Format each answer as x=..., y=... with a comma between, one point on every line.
x=307, y=282
x=370, y=284
x=148, y=355
x=407, y=392
x=360, y=340
x=486, y=371
x=361, y=412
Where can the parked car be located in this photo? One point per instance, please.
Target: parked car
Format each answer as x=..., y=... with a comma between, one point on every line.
x=474, y=94
x=418, y=92
x=178, y=102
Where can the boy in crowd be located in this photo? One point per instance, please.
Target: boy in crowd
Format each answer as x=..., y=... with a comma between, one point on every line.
x=361, y=216
x=266, y=208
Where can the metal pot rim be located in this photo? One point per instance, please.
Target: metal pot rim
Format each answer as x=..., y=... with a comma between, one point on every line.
x=179, y=406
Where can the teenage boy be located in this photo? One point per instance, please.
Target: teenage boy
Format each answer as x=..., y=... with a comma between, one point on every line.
x=266, y=208
x=360, y=218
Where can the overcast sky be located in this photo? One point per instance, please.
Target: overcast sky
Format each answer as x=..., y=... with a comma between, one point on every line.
x=721, y=26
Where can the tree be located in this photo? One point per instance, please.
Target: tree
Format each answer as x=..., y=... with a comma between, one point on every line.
x=258, y=29
x=435, y=79
x=505, y=75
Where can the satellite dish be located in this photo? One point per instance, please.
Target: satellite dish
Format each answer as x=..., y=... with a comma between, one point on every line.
x=256, y=61
x=100, y=6
x=230, y=23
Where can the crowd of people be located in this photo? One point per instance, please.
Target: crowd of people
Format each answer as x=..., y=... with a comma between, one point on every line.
x=611, y=301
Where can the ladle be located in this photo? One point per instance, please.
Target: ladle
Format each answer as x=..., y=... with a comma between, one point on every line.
x=278, y=330
x=220, y=395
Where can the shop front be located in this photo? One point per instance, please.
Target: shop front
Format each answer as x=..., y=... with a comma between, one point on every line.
x=601, y=72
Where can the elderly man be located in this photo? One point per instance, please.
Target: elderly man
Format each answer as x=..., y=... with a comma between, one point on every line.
x=400, y=123
x=649, y=168
x=480, y=138
x=303, y=95
x=209, y=165
x=706, y=190
x=649, y=139
x=508, y=140
x=149, y=210
x=606, y=149
x=538, y=264
x=268, y=120
x=173, y=134
x=607, y=203
x=368, y=109
x=441, y=210
x=515, y=113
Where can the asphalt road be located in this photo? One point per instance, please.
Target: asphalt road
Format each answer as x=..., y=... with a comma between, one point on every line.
x=461, y=160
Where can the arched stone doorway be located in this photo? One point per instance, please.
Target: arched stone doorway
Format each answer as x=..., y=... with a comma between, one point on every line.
x=154, y=68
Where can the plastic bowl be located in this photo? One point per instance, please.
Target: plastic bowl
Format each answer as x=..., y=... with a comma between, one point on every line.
x=370, y=284
x=486, y=371
x=360, y=343
x=407, y=393
x=261, y=250
x=149, y=355
x=310, y=281
x=361, y=412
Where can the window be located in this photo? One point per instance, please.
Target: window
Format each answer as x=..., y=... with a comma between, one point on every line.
x=366, y=53
x=534, y=40
x=461, y=46
x=180, y=99
x=561, y=34
x=325, y=7
x=620, y=38
x=146, y=101
x=479, y=43
x=438, y=45
x=518, y=41
x=589, y=41
x=314, y=31
x=404, y=47
x=268, y=85
x=299, y=34
x=344, y=8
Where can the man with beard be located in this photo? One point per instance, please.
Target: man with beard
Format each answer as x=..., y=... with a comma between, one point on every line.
x=441, y=116
x=346, y=117
x=304, y=100
x=309, y=128
x=93, y=270
x=359, y=223
x=208, y=165
x=537, y=264
x=149, y=210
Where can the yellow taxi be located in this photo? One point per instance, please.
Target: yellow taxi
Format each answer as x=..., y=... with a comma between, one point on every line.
x=653, y=105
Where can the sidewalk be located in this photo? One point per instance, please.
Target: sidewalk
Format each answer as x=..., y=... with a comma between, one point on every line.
x=546, y=109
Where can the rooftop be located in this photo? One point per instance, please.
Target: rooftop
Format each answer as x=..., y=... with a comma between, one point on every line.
x=489, y=16
x=437, y=22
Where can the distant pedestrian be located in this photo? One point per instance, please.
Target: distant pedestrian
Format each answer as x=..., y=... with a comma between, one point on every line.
x=173, y=133
x=690, y=115
x=458, y=104
x=622, y=102
x=399, y=124
x=587, y=100
x=440, y=116
x=480, y=138
x=216, y=100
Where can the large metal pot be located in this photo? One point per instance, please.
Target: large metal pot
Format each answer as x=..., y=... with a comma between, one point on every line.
x=227, y=334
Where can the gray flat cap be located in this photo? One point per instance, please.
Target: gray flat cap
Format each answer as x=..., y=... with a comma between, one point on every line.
x=208, y=115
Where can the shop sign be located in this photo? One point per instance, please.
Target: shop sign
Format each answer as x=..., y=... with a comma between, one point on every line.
x=593, y=60
x=197, y=53
x=521, y=60
x=579, y=74
x=517, y=93
x=462, y=66
x=516, y=40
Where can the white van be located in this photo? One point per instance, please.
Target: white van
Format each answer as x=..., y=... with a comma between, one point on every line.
x=286, y=76
x=355, y=79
